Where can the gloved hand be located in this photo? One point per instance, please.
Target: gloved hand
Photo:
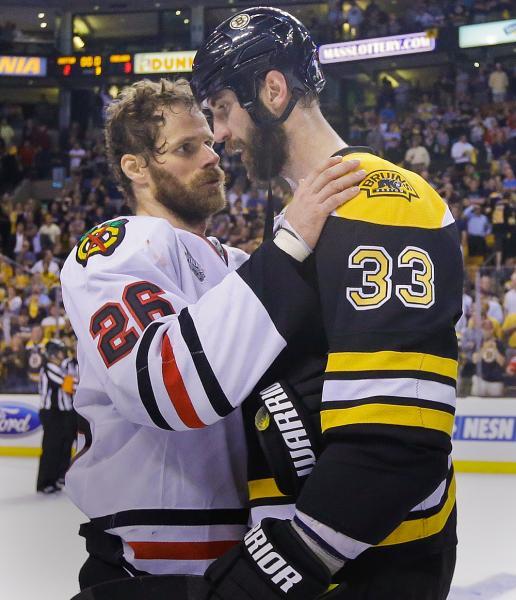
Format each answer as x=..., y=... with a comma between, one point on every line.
x=272, y=563
x=287, y=424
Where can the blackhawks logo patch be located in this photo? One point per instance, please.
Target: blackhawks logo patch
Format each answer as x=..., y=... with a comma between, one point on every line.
x=388, y=183
x=102, y=239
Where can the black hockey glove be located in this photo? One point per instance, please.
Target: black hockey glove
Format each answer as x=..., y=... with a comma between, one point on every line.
x=288, y=424
x=272, y=563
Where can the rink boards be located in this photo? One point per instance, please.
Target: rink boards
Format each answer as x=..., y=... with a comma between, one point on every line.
x=484, y=435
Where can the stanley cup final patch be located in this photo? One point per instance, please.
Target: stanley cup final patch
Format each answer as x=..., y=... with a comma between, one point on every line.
x=388, y=183
x=101, y=240
x=195, y=267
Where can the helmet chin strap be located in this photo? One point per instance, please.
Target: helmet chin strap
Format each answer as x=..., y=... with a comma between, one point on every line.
x=269, y=212
x=265, y=122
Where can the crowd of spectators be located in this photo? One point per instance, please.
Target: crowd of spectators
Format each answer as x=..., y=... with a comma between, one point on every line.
x=459, y=134
x=356, y=19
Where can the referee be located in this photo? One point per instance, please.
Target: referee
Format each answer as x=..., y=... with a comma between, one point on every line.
x=57, y=418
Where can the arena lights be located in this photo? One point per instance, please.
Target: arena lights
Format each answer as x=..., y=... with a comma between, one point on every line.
x=41, y=15
x=78, y=42
x=393, y=45
x=23, y=66
x=43, y=25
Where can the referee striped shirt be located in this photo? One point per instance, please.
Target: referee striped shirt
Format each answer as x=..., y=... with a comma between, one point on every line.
x=51, y=388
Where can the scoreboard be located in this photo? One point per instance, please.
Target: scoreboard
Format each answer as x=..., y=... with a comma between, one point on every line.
x=97, y=66
x=94, y=65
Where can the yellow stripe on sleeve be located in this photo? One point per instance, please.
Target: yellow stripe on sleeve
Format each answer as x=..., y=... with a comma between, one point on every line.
x=263, y=488
x=409, y=531
x=391, y=361
x=388, y=414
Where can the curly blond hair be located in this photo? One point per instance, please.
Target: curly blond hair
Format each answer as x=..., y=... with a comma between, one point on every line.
x=133, y=121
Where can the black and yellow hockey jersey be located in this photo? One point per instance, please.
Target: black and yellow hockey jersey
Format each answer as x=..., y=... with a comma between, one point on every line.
x=389, y=273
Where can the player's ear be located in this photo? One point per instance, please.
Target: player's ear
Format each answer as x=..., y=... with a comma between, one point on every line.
x=134, y=168
x=275, y=93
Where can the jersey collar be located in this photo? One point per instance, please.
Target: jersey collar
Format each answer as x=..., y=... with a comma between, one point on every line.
x=353, y=149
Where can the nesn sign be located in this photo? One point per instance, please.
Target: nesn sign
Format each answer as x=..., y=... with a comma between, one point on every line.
x=484, y=429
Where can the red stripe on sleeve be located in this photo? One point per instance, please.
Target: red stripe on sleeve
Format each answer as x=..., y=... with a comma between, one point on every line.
x=180, y=550
x=176, y=388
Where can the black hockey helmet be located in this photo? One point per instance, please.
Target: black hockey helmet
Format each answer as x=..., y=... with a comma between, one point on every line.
x=53, y=348
x=248, y=45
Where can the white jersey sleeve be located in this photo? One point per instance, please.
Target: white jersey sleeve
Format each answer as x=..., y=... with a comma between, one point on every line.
x=170, y=353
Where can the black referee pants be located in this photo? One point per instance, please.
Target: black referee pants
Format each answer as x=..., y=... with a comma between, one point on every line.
x=59, y=431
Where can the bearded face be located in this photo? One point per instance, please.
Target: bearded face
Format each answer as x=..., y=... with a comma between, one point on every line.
x=192, y=202
x=265, y=148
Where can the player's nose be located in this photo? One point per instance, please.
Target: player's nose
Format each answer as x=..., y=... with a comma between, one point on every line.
x=221, y=132
x=210, y=157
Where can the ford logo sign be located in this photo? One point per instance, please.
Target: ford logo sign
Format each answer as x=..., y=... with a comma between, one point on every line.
x=18, y=419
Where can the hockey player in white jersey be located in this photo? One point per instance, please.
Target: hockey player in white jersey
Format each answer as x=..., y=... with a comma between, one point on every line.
x=174, y=331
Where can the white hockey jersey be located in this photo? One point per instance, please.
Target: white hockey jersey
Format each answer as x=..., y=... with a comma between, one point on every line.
x=171, y=339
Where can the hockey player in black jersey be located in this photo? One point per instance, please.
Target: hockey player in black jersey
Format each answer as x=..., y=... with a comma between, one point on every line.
x=376, y=516
x=57, y=418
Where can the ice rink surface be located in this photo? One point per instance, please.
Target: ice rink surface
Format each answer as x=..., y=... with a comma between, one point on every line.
x=40, y=551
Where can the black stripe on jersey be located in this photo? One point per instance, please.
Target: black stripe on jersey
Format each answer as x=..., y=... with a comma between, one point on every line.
x=216, y=396
x=420, y=514
x=54, y=373
x=144, y=381
x=396, y=400
x=441, y=343
x=399, y=434
x=267, y=501
x=388, y=374
x=155, y=516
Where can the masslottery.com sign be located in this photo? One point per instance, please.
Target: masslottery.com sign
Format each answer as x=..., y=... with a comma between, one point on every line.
x=394, y=45
x=148, y=63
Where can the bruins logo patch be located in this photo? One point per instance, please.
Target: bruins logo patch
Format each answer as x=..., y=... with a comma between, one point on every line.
x=388, y=183
x=102, y=239
x=240, y=21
